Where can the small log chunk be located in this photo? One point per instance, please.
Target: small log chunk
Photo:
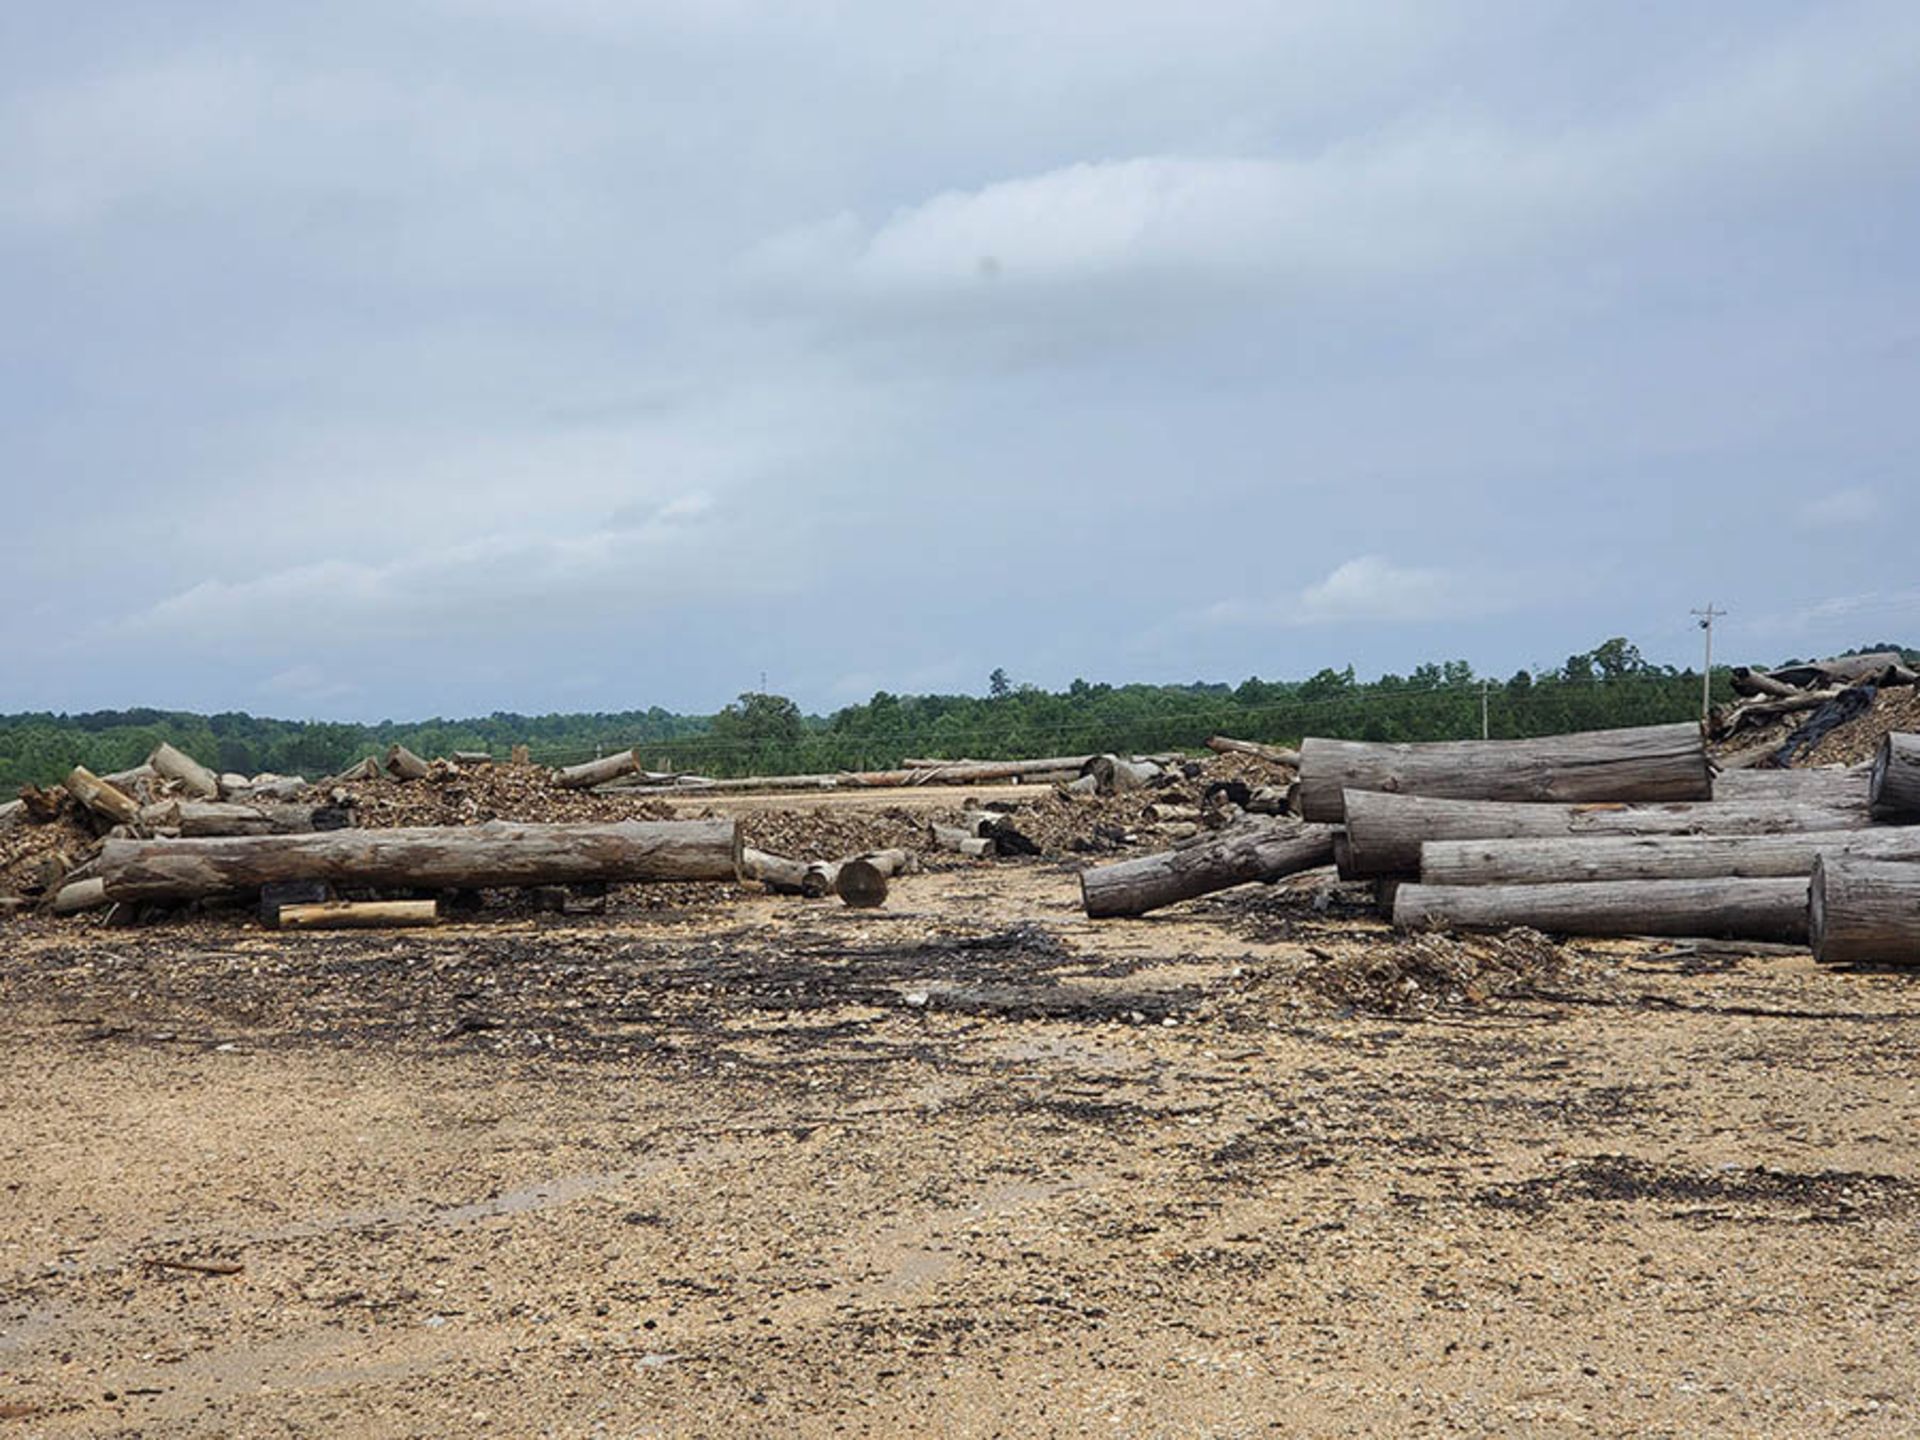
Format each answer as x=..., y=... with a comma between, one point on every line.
x=472, y=757
x=962, y=842
x=862, y=881
x=776, y=872
x=365, y=768
x=1893, y=785
x=185, y=771
x=1257, y=852
x=79, y=895
x=1772, y=910
x=403, y=764
x=597, y=772
x=820, y=878
x=105, y=800
x=520, y=755
x=1864, y=911
x=359, y=915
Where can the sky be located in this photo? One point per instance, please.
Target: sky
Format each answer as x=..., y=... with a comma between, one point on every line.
x=438, y=357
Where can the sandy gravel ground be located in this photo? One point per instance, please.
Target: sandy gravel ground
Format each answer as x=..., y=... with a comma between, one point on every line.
x=967, y=1167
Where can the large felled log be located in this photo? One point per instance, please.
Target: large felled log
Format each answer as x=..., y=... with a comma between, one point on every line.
x=1865, y=911
x=974, y=772
x=862, y=881
x=597, y=772
x=1825, y=786
x=106, y=800
x=1646, y=763
x=426, y=857
x=1245, y=854
x=1385, y=832
x=1774, y=910
x=403, y=764
x=1655, y=857
x=185, y=771
x=1277, y=754
x=358, y=915
x=1893, y=785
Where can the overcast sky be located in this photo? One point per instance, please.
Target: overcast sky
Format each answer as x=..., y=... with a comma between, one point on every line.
x=445, y=356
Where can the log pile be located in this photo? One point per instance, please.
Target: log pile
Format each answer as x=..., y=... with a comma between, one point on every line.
x=1813, y=698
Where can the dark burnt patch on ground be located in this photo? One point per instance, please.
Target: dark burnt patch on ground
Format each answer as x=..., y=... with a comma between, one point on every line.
x=1746, y=1194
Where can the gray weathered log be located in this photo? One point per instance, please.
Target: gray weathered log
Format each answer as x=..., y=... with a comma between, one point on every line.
x=1116, y=775
x=1749, y=681
x=776, y=872
x=1655, y=857
x=862, y=881
x=1893, y=786
x=1840, y=670
x=974, y=772
x=472, y=757
x=1865, y=911
x=426, y=857
x=597, y=772
x=365, y=768
x=77, y=895
x=102, y=798
x=1385, y=832
x=1645, y=763
x=358, y=915
x=1827, y=785
x=1264, y=851
x=209, y=818
x=403, y=764
x=961, y=842
x=1275, y=754
x=819, y=879
x=185, y=771
x=1774, y=910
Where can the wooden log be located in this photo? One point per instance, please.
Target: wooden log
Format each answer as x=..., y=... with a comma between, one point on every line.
x=1773, y=910
x=776, y=872
x=1243, y=855
x=1840, y=670
x=1863, y=910
x=1655, y=857
x=862, y=881
x=403, y=764
x=497, y=854
x=13, y=813
x=358, y=915
x=1893, y=785
x=1734, y=718
x=1749, y=681
x=1270, y=800
x=1385, y=832
x=185, y=771
x=1645, y=763
x=472, y=757
x=1276, y=754
x=365, y=768
x=961, y=842
x=974, y=772
x=820, y=878
x=597, y=772
x=1826, y=785
x=209, y=818
x=520, y=755
x=1114, y=775
x=108, y=801
x=78, y=895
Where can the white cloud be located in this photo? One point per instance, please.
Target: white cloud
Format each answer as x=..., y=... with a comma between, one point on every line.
x=1368, y=588
x=1841, y=508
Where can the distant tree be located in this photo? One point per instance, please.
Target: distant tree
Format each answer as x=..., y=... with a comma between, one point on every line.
x=1617, y=658
x=760, y=719
x=998, y=685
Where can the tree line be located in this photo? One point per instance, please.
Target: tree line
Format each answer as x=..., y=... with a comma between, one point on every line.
x=1610, y=685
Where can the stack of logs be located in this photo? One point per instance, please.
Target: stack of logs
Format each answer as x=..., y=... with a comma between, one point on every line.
x=1840, y=688
x=1616, y=832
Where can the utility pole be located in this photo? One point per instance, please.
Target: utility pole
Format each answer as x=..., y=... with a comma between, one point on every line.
x=1485, y=685
x=1707, y=617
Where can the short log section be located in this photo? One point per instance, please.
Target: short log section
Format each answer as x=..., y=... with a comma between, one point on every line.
x=1865, y=912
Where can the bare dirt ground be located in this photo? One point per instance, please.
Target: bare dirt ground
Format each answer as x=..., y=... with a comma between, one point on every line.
x=969, y=1166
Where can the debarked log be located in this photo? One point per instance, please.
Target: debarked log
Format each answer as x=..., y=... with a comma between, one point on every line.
x=1771, y=910
x=497, y=854
x=403, y=764
x=1821, y=786
x=1275, y=754
x=104, y=799
x=185, y=771
x=1566, y=860
x=358, y=915
x=862, y=881
x=1385, y=832
x=1865, y=911
x=1644, y=763
x=776, y=872
x=1893, y=786
x=597, y=772
x=1243, y=855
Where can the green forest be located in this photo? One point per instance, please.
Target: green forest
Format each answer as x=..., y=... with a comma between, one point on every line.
x=759, y=733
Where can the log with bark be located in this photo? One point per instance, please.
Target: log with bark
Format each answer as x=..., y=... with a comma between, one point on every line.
x=497, y=854
x=961, y=842
x=1655, y=857
x=776, y=872
x=403, y=764
x=185, y=771
x=1275, y=754
x=1644, y=763
x=1385, y=832
x=106, y=800
x=862, y=881
x=1822, y=786
x=1893, y=785
x=1772, y=910
x=358, y=915
x=1864, y=911
x=1248, y=853
x=597, y=772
